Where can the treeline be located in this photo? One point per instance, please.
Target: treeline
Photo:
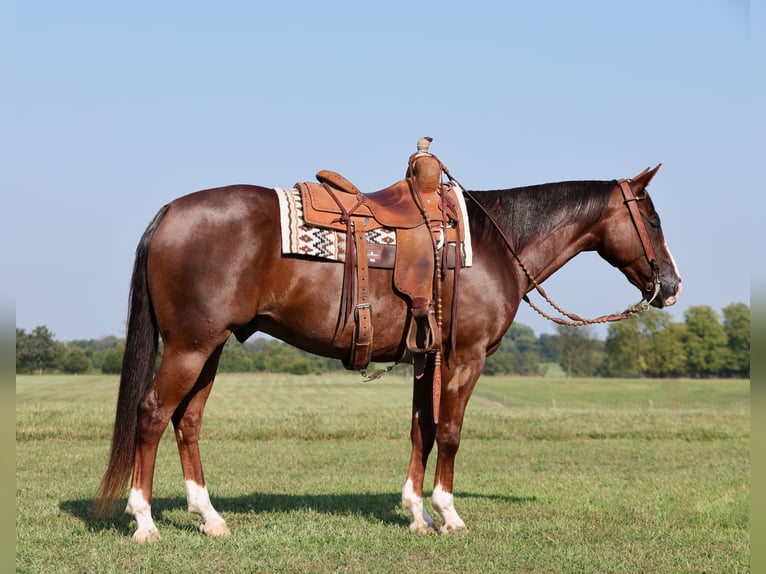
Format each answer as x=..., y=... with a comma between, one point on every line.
x=38, y=352
x=651, y=344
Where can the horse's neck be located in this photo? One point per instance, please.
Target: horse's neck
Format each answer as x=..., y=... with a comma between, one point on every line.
x=548, y=225
x=549, y=253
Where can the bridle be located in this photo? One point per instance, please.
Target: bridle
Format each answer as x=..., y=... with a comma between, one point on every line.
x=652, y=288
x=630, y=200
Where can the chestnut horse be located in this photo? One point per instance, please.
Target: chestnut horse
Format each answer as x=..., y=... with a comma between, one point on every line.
x=210, y=265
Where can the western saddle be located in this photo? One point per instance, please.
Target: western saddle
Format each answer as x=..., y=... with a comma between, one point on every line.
x=426, y=216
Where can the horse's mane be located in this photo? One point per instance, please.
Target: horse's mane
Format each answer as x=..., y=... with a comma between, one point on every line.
x=526, y=213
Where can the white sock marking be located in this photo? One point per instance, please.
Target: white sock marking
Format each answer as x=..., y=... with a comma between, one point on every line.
x=444, y=504
x=141, y=510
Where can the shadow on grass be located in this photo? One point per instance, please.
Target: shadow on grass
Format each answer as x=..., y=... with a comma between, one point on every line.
x=377, y=507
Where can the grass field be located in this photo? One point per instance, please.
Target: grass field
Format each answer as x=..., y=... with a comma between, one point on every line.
x=553, y=475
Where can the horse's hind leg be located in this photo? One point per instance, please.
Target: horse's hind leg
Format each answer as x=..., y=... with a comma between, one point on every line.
x=187, y=420
x=177, y=376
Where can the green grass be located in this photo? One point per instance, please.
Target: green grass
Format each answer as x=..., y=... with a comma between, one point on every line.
x=308, y=472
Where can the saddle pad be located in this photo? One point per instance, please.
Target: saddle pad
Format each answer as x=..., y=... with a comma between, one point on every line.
x=301, y=238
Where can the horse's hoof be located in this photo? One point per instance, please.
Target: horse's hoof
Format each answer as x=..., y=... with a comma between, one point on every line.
x=215, y=529
x=148, y=535
x=454, y=530
x=423, y=528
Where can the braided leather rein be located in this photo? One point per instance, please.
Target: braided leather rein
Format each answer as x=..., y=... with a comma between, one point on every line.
x=574, y=320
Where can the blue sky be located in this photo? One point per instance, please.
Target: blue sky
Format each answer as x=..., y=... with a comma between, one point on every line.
x=111, y=110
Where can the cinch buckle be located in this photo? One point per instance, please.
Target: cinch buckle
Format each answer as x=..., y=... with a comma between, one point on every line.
x=361, y=306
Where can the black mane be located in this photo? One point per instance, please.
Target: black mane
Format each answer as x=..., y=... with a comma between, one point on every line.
x=526, y=213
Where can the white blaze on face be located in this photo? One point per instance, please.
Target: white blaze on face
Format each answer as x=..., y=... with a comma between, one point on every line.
x=673, y=298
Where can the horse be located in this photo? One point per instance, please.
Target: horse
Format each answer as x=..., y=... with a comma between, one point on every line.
x=209, y=265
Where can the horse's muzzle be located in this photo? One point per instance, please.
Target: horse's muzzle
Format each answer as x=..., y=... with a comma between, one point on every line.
x=670, y=291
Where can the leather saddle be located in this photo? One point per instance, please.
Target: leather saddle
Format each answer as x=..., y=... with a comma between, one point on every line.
x=425, y=216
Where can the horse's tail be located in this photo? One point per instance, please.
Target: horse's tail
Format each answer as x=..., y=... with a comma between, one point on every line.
x=135, y=378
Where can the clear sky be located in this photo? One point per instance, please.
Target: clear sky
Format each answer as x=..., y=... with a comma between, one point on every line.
x=110, y=110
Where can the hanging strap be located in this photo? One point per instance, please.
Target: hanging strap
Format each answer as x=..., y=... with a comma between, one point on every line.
x=361, y=347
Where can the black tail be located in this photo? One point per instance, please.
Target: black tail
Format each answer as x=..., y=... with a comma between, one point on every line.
x=135, y=378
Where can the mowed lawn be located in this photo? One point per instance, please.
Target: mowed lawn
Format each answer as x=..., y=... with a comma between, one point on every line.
x=553, y=475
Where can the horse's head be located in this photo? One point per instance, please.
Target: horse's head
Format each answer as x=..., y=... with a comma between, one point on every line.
x=633, y=241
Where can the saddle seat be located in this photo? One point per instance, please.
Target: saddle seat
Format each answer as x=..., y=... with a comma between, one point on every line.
x=393, y=207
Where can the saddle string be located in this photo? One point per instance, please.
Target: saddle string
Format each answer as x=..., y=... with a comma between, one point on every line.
x=436, y=381
x=574, y=319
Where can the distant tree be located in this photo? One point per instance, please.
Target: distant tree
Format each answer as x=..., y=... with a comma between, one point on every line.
x=234, y=358
x=501, y=362
x=705, y=342
x=106, y=343
x=36, y=351
x=622, y=347
x=75, y=361
x=519, y=353
x=576, y=350
x=548, y=345
x=736, y=325
x=97, y=349
x=112, y=360
x=527, y=350
x=303, y=366
x=278, y=357
x=661, y=344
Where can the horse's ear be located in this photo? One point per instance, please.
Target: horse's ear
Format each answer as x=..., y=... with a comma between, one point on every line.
x=643, y=178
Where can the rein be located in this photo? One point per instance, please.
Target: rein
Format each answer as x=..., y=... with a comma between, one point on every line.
x=629, y=199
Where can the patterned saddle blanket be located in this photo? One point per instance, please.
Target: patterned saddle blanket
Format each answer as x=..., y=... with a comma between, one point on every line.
x=301, y=238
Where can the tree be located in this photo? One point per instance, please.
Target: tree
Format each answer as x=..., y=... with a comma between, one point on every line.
x=97, y=349
x=112, y=361
x=548, y=345
x=736, y=325
x=519, y=353
x=576, y=350
x=622, y=346
x=705, y=342
x=499, y=363
x=234, y=358
x=527, y=350
x=661, y=344
x=37, y=351
x=75, y=361
x=278, y=357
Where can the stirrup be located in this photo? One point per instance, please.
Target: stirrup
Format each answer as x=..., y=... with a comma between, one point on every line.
x=424, y=335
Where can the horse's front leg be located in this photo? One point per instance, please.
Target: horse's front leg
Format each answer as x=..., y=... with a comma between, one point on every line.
x=422, y=435
x=457, y=386
x=187, y=421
